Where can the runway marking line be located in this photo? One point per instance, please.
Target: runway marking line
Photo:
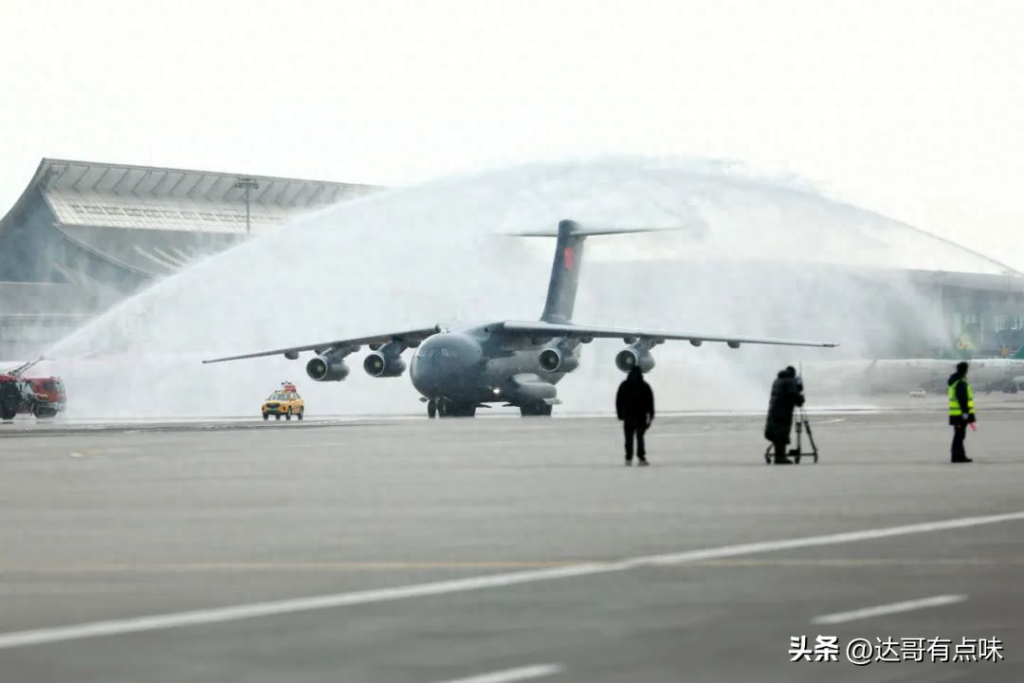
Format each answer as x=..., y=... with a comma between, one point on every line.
x=206, y=617
x=862, y=562
x=524, y=673
x=893, y=608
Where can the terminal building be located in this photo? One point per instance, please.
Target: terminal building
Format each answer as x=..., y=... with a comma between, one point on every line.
x=83, y=236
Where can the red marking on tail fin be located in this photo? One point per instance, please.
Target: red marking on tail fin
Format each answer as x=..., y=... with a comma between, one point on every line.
x=568, y=257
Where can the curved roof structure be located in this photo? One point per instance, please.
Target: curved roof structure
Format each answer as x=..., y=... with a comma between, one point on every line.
x=148, y=198
x=731, y=219
x=81, y=220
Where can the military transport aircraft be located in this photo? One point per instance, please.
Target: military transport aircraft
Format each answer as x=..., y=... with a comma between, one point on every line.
x=514, y=363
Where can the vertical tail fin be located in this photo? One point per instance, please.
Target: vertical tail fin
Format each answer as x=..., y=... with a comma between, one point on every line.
x=565, y=274
x=565, y=270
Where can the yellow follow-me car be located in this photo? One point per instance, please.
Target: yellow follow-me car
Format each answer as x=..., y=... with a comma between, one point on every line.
x=285, y=401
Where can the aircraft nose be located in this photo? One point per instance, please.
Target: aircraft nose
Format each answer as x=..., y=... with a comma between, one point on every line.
x=441, y=364
x=427, y=374
x=426, y=369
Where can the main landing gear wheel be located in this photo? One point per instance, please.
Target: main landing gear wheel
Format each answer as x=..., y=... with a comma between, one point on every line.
x=535, y=410
x=453, y=409
x=461, y=410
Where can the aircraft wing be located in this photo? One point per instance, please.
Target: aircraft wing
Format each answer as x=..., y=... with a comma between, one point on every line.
x=629, y=335
x=409, y=336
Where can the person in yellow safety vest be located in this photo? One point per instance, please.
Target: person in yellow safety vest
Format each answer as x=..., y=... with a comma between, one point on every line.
x=961, y=410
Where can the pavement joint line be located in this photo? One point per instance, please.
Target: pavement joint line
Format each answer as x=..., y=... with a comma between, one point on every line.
x=892, y=608
x=80, y=425
x=186, y=567
x=205, y=617
x=330, y=567
x=523, y=673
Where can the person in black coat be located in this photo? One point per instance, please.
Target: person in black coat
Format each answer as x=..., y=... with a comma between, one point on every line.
x=634, y=404
x=787, y=394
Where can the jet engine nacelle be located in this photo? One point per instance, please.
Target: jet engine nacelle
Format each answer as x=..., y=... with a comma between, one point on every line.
x=633, y=357
x=385, y=362
x=558, y=360
x=326, y=369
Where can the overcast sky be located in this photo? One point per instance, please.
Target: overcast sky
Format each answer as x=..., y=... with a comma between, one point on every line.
x=914, y=109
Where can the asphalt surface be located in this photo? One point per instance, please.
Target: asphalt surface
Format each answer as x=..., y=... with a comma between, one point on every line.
x=460, y=548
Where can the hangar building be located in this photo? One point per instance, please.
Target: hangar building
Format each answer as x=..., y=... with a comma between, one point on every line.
x=85, y=235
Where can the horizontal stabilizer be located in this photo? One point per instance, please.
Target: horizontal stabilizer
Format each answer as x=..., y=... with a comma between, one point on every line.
x=579, y=230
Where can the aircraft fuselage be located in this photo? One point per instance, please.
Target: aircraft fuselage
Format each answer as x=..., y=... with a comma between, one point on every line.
x=485, y=365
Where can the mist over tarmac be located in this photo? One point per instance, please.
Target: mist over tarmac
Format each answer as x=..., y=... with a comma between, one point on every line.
x=741, y=255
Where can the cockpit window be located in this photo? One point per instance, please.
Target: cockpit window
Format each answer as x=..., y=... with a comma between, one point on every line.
x=443, y=352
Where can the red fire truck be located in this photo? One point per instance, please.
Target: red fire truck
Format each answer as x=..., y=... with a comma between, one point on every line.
x=40, y=396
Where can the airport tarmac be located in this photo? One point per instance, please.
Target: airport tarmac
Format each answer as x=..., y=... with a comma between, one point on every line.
x=494, y=550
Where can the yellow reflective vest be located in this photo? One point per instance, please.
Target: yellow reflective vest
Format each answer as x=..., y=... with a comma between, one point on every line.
x=954, y=404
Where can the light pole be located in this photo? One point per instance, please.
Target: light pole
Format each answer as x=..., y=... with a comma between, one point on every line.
x=248, y=184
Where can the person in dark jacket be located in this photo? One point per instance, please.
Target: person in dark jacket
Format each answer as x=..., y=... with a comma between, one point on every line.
x=787, y=393
x=961, y=410
x=634, y=404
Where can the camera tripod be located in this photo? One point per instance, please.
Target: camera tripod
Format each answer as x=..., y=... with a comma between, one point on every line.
x=802, y=424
